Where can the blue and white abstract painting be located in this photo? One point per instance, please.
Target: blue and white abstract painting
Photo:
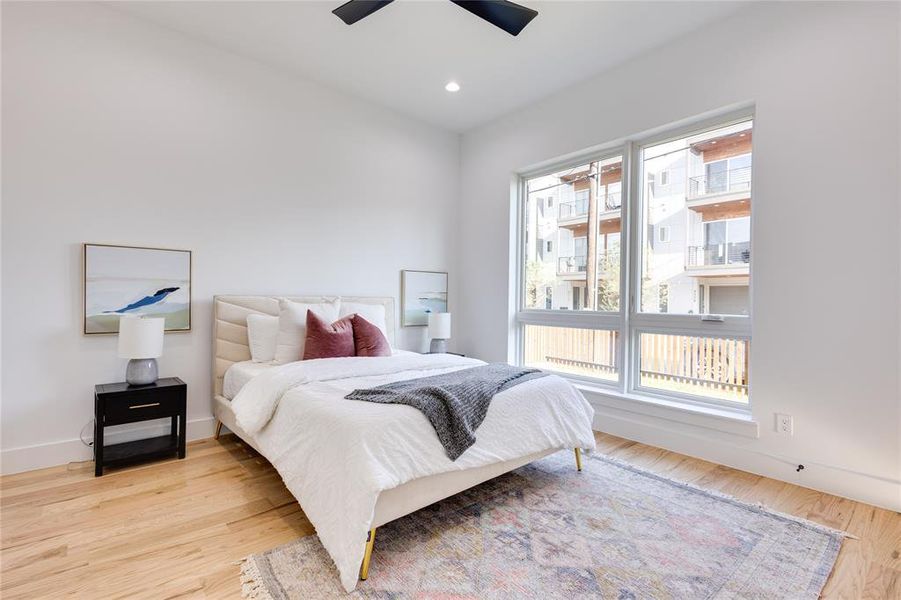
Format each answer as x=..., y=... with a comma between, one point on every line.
x=424, y=292
x=120, y=280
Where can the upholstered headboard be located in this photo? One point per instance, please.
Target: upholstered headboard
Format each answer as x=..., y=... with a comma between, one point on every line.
x=230, y=325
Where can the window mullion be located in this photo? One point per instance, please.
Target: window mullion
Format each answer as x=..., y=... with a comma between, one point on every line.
x=626, y=264
x=633, y=274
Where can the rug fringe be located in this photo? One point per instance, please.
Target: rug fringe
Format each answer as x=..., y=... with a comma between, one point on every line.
x=252, y=581
x=755, y=506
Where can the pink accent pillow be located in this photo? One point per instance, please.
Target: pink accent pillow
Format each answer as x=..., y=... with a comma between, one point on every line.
x=328, y=341
x=368, y=338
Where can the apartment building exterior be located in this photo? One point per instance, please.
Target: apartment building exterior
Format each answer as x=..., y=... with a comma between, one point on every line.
x=697, y=238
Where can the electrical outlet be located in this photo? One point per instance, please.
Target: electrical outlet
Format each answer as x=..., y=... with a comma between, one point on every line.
x=784, y=424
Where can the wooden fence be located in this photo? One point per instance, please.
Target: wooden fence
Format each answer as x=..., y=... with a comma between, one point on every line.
x=589, y=352
x=695, y=365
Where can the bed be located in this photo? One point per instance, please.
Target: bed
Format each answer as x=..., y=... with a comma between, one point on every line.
x=299, y=400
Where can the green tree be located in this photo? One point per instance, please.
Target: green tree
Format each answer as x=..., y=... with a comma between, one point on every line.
x=608, y=284
x=538, y=276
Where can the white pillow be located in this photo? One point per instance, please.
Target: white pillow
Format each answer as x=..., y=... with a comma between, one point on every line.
x=374, y=313
x=292, y=325
x=262, y=336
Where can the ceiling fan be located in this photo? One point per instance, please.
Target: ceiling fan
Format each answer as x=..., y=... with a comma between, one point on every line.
x=509, y=16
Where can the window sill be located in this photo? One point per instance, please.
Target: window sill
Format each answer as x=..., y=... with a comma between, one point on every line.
x=737, y=422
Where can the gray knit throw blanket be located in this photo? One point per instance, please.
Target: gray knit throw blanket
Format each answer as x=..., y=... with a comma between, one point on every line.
x=454, y=403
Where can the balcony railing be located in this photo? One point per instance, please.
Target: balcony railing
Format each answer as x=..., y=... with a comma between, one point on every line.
x=572, y=264
x=569, y=210
x=579, y=263
x=613, y=200
x=734, y=253
x=733, y=180
x=578, y=208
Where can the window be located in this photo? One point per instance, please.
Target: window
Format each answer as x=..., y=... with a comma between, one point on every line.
x=687, y=197
x=586, y=227
x=550, y=246
x=716, y=239
x=726, y=242
x=575, y=351
x=663, y=234
x=731, y=174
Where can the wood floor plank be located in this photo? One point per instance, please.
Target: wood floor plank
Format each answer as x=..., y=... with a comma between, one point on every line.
x=832, y=511
x=882, y=583
x=728, y=481
x=177, y=528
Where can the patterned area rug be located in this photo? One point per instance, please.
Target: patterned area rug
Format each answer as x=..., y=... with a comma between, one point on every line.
x=546, y=531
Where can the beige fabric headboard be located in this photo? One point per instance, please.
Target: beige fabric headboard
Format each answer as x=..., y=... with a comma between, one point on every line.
x=230, y=325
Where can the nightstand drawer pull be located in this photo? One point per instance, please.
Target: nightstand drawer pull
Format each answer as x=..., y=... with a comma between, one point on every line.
x=144, y=405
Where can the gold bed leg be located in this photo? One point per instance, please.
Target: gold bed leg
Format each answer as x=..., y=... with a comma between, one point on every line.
x=370, y=542
x=578, y=458
x=218, y=429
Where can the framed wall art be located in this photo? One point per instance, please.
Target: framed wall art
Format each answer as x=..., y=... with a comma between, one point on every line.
x=127, y=280
x=422, y=292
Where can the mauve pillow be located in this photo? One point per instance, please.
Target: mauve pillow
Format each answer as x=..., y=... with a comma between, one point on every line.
x=368, y=338
x=328, y=341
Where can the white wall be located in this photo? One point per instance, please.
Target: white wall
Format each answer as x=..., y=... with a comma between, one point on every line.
x=118, y=131
x=825, y=81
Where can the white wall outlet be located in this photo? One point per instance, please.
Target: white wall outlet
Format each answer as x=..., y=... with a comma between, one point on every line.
x=784, y=424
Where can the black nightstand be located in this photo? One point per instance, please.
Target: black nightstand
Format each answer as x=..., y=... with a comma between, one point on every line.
x=119, y=403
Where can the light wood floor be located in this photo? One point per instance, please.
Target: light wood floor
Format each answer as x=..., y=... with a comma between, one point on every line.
x=176, y=528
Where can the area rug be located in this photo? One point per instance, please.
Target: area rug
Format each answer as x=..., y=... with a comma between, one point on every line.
x=546, y=531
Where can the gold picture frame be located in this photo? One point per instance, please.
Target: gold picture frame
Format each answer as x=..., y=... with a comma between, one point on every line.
x=138, y=280
x=422, y=292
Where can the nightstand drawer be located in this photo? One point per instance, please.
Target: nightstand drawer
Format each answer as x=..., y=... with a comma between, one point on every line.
x=143, y=406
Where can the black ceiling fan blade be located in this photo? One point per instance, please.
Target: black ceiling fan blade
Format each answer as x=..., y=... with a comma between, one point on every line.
x=510, y=17
x=353, y=11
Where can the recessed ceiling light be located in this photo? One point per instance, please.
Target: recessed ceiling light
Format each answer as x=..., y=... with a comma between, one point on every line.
x=713, y=142
x=741, y=135
x=452, y=86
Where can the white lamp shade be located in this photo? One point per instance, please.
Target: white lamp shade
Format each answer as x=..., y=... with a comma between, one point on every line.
x=141, y=338
x=439, y=326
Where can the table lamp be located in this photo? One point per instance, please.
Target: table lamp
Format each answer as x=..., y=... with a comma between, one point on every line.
x=439, y=331
x=141, y=340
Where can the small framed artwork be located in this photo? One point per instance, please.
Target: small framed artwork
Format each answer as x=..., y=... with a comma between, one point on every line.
x=422, y=292
x=126, y=280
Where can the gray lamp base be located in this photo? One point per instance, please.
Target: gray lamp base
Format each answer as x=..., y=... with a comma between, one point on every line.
x=438, y=346
x=141, y=371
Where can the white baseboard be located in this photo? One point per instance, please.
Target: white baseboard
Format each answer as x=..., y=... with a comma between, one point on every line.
x=714, y=448
x=28, y=458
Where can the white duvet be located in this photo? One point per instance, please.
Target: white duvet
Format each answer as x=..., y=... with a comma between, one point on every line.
x=337, y=455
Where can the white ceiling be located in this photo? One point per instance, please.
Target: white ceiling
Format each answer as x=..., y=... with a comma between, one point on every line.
x=402, y=55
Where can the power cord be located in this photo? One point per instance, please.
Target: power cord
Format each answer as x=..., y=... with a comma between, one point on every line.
x=81, y=434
